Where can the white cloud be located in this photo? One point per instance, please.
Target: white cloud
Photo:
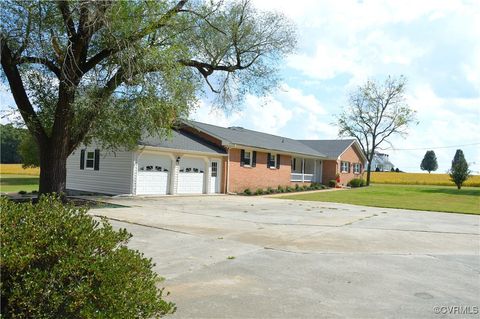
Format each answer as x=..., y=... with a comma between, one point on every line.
x=273, y=114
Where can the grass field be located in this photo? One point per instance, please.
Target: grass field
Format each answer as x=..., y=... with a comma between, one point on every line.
x=18, y=170
x=12, y=183
x=430, y=198
x=419, y=179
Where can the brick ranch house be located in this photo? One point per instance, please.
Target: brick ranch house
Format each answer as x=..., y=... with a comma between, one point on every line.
x=200, y=158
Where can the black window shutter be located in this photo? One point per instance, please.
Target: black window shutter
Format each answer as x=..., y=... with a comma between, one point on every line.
x=96, y=166
x=349, y=165
x=82, y=159
x=254, y=159
x=269, y=156
x=278, y=160
x=242, y=157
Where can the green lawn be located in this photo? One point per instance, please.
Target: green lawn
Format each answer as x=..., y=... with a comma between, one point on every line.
x=11, y=183
x=432, y=198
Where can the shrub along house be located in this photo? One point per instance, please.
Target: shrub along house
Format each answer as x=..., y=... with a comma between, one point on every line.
x=201, y=158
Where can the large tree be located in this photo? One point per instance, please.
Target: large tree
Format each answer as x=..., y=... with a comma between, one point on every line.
x=375, y=112
x=429, y=162
x=114, y=70
x=459, y=172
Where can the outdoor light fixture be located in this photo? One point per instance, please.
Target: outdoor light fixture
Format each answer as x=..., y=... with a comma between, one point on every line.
x=178, y=159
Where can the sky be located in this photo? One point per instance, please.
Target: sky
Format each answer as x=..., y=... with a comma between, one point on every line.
x=435, y=44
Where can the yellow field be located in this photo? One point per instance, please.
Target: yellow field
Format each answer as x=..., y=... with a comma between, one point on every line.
x=18, y=170
x=419, y=179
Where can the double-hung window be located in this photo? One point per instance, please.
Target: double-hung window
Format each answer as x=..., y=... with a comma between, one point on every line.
x=357, y=168
x=90, y=160
x=345, y=167
x=272, y=160
x=247, y=158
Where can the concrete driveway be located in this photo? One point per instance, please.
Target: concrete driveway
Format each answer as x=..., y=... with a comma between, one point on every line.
x=253, y=257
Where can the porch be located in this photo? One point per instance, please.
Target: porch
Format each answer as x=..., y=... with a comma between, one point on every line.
x=306, y=170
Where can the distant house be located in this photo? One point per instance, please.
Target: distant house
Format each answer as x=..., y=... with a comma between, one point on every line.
x=200, y=158
x=381, y=163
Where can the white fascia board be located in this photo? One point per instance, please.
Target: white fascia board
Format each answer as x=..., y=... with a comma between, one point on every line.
x=174, y=150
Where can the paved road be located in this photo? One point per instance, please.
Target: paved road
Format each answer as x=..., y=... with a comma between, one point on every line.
x=296, y=259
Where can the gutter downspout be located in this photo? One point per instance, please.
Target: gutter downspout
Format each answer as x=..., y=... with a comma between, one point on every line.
x=227, y=175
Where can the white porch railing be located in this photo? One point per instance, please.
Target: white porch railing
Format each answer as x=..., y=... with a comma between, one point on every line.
x=299, y=177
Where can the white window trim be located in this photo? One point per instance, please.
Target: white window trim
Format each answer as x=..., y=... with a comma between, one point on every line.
x=274, y=161
x=250, y=158
x=86, y=159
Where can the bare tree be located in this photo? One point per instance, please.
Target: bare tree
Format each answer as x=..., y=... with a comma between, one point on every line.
x=375, y=112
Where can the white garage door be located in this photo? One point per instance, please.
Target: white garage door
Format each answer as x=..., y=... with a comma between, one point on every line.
x=153, y=174
x=191, y=176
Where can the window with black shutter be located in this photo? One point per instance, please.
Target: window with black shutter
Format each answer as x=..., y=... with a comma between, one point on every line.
x=246, y=158
x=278, y=161
x=96, y=165
x=90, y=161
x=82, y=159
x=272, y=160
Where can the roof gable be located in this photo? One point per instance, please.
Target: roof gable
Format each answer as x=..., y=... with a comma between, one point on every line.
x=333, y=148
x=181, y=140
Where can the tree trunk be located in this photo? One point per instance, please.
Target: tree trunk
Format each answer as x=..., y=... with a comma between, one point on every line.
x=369, y=167
x=53, y=168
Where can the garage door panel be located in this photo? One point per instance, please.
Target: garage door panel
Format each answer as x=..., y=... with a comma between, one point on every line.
x=152, y=183
x=153, y=174
x=190, y=183
x=191, y=176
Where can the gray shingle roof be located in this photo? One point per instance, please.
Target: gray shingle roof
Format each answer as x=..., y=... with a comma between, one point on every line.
x=331, y=148
x=182, y=140
x=241, y=136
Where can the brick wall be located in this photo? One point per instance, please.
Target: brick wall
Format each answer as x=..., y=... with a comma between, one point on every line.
x=329, y=171
x=351, y=155
x=260, y=176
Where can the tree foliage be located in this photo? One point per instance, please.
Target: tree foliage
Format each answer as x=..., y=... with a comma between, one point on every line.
x=116, y=70
x=429, y=162
x=59, y=262
x=459, y=171
x=375, y=112
x=10, y=138
x=28, y=150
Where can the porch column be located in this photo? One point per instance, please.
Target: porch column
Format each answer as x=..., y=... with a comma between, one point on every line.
x=314, y=178
x=303, y=170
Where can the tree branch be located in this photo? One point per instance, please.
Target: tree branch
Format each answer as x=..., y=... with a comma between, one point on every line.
x=19, y=94
x=67, y=17
x=44, y=61
x=105, y=53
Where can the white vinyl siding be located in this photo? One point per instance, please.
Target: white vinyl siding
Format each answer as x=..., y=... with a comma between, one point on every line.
x=114, y=177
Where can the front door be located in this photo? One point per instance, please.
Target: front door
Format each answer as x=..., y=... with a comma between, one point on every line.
x=215, y=176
